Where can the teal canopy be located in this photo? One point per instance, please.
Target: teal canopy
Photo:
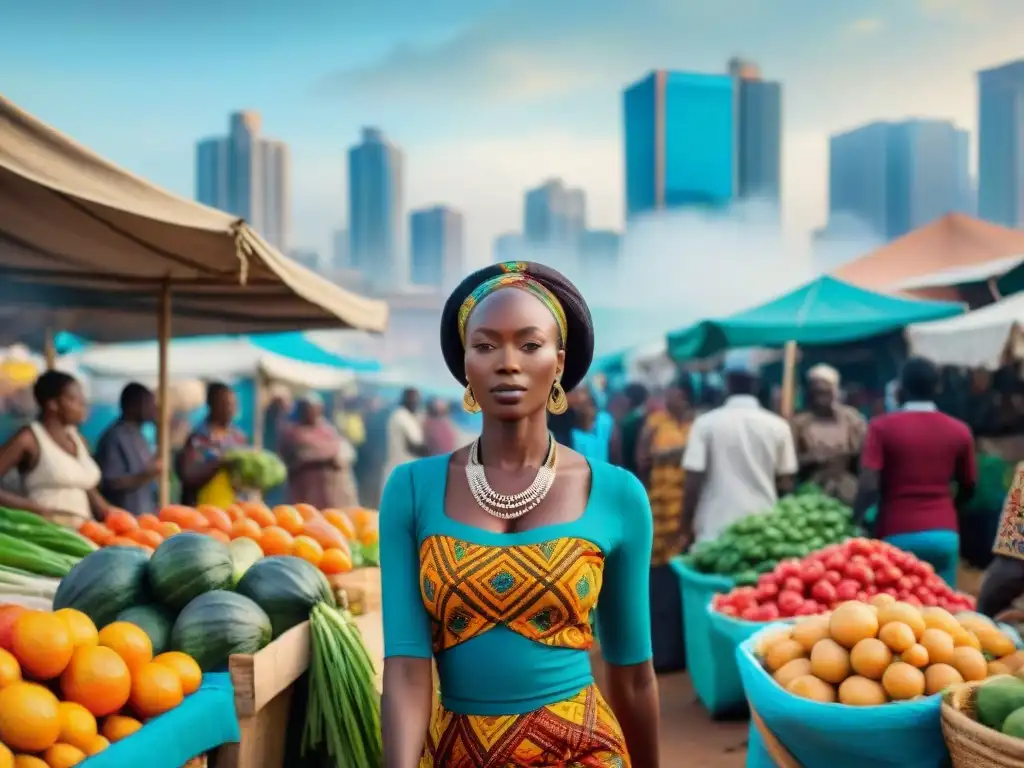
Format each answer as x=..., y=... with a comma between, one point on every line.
x=825, y=311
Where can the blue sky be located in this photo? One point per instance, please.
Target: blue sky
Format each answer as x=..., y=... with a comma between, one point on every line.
x=486, y=97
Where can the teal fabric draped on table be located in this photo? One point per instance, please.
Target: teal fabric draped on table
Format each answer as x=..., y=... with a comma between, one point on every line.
x=204, y=721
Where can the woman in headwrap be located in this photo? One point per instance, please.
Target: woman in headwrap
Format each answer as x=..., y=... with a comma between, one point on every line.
x=660, y=465
x=828, y=436
x=318, y=458
x=494, y=556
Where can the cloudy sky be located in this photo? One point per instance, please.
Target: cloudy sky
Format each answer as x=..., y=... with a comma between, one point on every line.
x=487, y=97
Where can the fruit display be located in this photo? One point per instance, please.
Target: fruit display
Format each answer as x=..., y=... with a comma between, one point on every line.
x=796, y=526
x=68, y=689
x=885, y=650
x=333, y=540
x=857, y=569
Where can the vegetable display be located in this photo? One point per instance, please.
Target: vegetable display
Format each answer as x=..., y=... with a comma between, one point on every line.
x=999, y=704
x=188, y=565
x=872, y=653
x=105, y=583
x=796, y=526
x=287, y=588
x=344, y=709
x=217, y=624
x=857, y=569
x=261, y=470
x=68, y=689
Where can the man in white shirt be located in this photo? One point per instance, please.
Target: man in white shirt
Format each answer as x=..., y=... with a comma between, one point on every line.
x=738, y=459
x=405, y=440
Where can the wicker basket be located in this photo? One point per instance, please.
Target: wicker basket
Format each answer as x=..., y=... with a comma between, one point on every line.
x=971, y=744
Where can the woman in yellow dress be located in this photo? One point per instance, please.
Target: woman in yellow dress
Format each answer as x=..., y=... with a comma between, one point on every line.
x=660, y=462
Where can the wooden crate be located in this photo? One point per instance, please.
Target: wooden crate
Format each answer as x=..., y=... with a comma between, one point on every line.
x=362, y=586
x=264, y=682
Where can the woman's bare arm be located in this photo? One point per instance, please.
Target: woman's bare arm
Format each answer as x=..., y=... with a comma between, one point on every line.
x=17, y=453
x=633, y=695
x=405, y=710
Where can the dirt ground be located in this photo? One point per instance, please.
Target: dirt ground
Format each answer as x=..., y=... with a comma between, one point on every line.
x=688, y=734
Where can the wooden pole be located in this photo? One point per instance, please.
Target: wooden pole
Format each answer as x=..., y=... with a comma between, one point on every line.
x=164, y=394
x=50, y=350
x=259, y=411
x=788, y=380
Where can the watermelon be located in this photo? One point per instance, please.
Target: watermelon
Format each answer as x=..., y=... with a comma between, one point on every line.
x=104, y=583
x=218, y=624
x=244, y=552
x=286, y=588
x=188, y=565
x=154, y=621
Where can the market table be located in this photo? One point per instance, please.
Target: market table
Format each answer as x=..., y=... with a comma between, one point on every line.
x=204, y=721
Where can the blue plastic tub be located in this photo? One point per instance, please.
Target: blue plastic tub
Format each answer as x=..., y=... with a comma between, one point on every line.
x=709, y=658
x=905, y=735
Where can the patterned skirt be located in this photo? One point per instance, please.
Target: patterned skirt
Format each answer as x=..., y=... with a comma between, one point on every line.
x=580, y=732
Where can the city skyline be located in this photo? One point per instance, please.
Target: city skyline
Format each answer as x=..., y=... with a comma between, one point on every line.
x=488, y=98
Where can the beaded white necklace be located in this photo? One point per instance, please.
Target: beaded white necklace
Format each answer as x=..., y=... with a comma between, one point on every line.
x=507, y=506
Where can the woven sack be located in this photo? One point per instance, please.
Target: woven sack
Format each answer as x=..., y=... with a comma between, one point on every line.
x=971, y=744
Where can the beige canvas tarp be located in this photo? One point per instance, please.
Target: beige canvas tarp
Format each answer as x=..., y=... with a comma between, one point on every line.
x=953, y=241
x=87, y=246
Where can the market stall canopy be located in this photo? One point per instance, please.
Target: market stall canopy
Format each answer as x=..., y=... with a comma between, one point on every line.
x=825, y=311
x=953, y=241
x=216, y=358
x=983, y=338
x=79, y=234
x=960, y=276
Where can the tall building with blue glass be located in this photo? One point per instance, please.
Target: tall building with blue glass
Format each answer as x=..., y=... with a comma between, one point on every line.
x=375, y=193
x=437, y=246
x=680, y=133
x=896, y=177
x=758, y=133
x=1001, y=144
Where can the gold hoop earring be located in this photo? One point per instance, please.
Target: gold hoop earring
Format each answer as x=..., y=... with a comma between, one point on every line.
x=469, y=403
x=557, y=402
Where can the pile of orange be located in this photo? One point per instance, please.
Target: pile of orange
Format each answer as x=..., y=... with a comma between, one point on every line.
x=67, y=690
x=323, y=538
x=882, y=651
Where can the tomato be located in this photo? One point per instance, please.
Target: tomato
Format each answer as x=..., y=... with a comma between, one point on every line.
x=914, y=600
x=793, y=584
x=768, y=612
x=835, y=562
x=832, y=577
x=789, y=602
x=766, y=592
x=727, y=610
x=847, y=589
x=904, y=584
x=862, y=596
x=812, y=572
x=871, y=590
x=925, y=596
x=891, y=591
x=861, y=547
x=743, y=598
x=859, y=572
x=788, y=569
x=915, y=580
x=750, y=614
x=809, y=608
x=924, y=569
x=824, y=592
x=877, y=560
x=767, y=578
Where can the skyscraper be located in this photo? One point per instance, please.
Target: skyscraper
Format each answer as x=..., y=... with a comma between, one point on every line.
x=554, y=216
x=437, y=246
x=680, y=141
x=248, y=176
x=1001, y=144
x=896, y=177
x=375, y=192
x=758, y=133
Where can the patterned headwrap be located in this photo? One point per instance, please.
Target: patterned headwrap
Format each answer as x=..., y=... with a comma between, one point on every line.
x=575, y=326
x=513, y=275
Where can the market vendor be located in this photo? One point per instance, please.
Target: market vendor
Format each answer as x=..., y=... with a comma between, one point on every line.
x=660, y=464
x=129, y=468
x=318, y=457
x=59, y=478
x=829, y=436
x=493, y=557
x=201, y=461
x=911, y=457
